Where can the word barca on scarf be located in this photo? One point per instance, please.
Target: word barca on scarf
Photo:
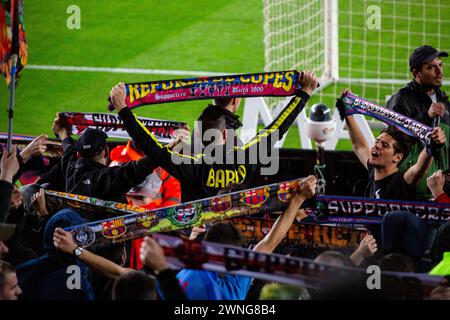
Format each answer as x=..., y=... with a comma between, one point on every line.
x=341, y=209
x=183, y=253
x=102, y=233
x=112, y=125
x=282, y=83
x=301, y=234
x=53, y=147
x=354, y=104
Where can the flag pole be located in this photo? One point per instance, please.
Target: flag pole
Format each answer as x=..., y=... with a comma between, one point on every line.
x=12, y=88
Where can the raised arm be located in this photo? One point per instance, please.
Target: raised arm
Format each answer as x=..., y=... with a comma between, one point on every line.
x=280, y=125
x=152, y=256
x=64, y=242
x=116, y=181
x=419, y=169
x=367, y=247
x=34, y=148
x=306, y=189
x=9, y=165
x=69, y=151
x=359, y=142
x=161, y=155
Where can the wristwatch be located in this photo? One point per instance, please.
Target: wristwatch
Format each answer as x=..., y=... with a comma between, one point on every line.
x=77, y=252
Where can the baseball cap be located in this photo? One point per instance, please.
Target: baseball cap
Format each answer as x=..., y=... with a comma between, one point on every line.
x=424, y=54
x=91, y=142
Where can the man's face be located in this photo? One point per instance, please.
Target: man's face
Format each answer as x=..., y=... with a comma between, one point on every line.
x=11, y=291
x=431, y=73
x=383, y=152
x=16, y=198
x=3, y=249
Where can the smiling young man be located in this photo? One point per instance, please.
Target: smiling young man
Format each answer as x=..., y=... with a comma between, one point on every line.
x=382, y=160
x=423, y=100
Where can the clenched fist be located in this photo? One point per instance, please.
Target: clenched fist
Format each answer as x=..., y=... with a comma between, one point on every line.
x=117, y=96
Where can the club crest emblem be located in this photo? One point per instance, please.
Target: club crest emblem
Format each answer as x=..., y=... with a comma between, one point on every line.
x=255, y=198
x=84, y=236
x=185, y=215
x=283, y=192
x=114, y=229
x=220, y=204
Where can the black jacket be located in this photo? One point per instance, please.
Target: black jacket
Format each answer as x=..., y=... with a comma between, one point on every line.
x=200, y=177
x=6, y=189
x=90, y=178
x=413, y=102
x=232, y=119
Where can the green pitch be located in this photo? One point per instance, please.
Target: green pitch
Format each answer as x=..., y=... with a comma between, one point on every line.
x=197, y=35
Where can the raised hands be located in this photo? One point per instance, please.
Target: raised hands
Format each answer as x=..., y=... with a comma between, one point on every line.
x=63, y=241
x=152, y=255
x=60, y=128
x=9, y=165
x=438, y=136
x=308, y=82
x=367, y=247
x=306, y=187
x=436, y=183
x=117, y=96
x=35, y=147
x=39, y=204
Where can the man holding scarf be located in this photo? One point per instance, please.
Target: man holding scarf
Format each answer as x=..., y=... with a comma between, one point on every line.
x=383, y=160
x=203, y=176
x=423, y=100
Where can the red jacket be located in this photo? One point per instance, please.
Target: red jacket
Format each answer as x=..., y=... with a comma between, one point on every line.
x=443, y=198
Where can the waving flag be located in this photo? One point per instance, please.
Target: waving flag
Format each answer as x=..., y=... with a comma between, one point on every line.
x=12, y=37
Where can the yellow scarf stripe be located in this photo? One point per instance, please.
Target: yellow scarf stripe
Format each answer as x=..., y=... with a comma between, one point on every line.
x=161, y=146
x=274, y=127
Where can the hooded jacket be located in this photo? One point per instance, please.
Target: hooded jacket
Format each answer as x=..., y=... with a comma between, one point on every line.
x=47, y=277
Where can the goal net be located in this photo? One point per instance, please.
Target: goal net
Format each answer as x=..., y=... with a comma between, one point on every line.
x=363, y=45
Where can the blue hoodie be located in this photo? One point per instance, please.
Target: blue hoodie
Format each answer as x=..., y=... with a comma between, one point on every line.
x=47, y=277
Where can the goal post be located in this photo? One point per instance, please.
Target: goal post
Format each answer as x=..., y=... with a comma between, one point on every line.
x=363, y=45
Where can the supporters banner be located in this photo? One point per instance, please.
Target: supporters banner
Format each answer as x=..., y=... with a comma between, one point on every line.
x=351, y=210
x=12, y=37
x=354, y=104
x=281, y=83
x=139, y=222
x=164, y=130
x=301, y=234
x=182, y=253
x=135, y=222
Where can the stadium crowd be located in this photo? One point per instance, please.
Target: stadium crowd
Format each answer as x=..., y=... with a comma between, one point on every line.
x=36, y=251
